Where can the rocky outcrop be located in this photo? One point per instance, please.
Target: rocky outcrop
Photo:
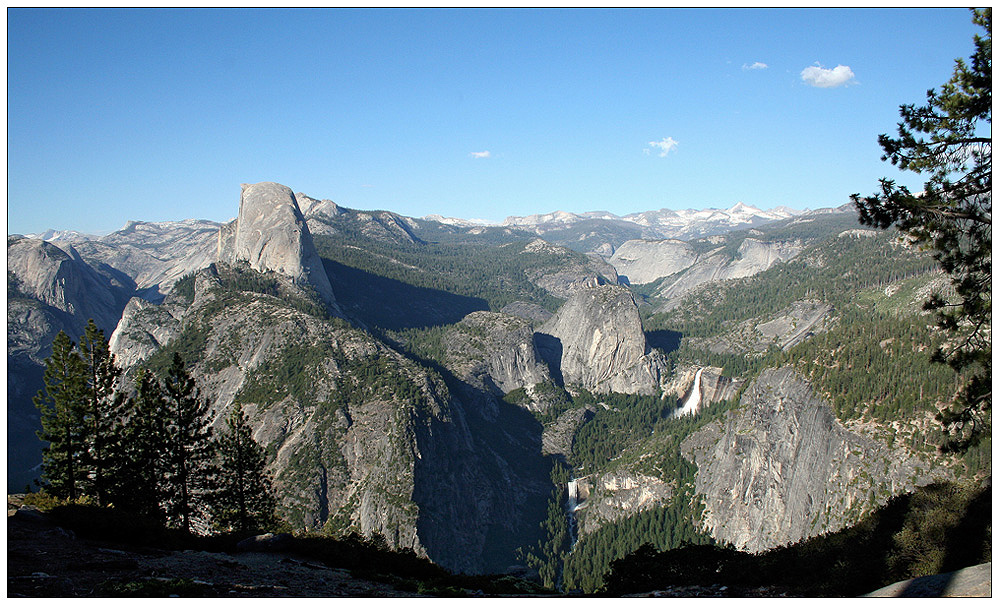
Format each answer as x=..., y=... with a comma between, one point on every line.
x=565, y=271
x=793, y=325
x=642, y=261
x=48, y=290
x=558, y=437
x=494, y=352
x=270, y=234
x=361, y=438
x=752, y=257
x=715, y=387
x=617, y=495
x=62, y=280
x=596, y=341
x=142, y=331
x=781, y=468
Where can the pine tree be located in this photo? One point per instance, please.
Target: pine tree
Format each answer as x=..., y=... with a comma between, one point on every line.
x=62, y=403
x=140, y=470
x=950, y=140
x=244, y=499
x=103, y=409
x=190, y=469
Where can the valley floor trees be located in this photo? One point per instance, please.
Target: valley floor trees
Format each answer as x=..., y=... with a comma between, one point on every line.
x=151, y=452
x=950, y=138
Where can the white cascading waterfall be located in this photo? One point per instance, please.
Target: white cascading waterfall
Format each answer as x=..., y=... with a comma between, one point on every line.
x=572, y=504
x=693, y=401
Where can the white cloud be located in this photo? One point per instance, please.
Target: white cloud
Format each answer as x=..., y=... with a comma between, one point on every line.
x=755, y=65
x=482, y=154
x=663, y=146
x=818, y=76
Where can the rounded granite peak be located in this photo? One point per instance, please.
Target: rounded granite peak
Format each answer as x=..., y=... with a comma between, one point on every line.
x=270, y=234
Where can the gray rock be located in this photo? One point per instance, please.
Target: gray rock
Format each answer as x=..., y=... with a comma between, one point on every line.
x=781, y=468
x=642, y=261
x=752, y=257
x=971, y=582
x=617, y=495
x=271, y=234
x=155, y=255
x=143, y=329
x=494, y=352
x=63, y=281
x=596, y=341
x=557, y=438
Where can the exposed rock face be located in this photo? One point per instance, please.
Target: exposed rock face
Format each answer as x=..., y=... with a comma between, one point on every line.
x=318, y=212
x=642, y=261
x=271, y=234
x=48, y=289
x=753, y=256
x=596, y=341
x=617, y=495
x=714, y=386
x=573, y=270
x=63, y=281
x=557, y=439
x=781, y=468
x=794, y=325
x=143, y=329
x=360, y=437
x=494, y=352
x=154, y=255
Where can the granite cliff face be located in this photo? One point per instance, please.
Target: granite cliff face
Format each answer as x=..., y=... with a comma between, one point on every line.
x=495, y=354
x=143, y=329
x=270, y=234
x=596, y=341
x=616, y=495
x=780, y=467
x=62, y=281
x=643, y=261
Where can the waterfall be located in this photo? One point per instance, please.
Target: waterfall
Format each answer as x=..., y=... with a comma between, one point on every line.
x=572, y=504
x=693, y=401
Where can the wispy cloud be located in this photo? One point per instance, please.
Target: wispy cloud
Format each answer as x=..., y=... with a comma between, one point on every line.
x=662, y=147
x=754, y=65
x=820, y=77
x=482, y=154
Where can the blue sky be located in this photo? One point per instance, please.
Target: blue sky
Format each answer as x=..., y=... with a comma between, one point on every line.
x=160, y=115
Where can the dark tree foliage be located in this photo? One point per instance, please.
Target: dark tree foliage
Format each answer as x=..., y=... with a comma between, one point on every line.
x=141, y=468
x=103, y=409
x=63, y=407
x=950, y=140
x=244, y=499
x=190, y=456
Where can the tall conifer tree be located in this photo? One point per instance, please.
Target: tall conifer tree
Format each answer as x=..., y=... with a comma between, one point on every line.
x=190, y=455
x=103, y=409
x=244, y=499
x=141, y=470
x=63, y=406
x=950, y=140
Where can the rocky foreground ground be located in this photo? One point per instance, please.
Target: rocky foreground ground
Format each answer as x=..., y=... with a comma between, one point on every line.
x=46, y=560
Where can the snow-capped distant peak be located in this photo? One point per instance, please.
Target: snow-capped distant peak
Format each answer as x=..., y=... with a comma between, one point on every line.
x=559, y=216
x=64, y=235
x=458, y=222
